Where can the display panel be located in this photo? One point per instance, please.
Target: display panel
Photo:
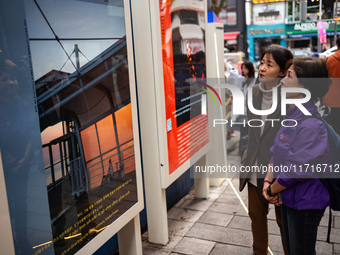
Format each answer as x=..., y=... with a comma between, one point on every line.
x=183, y=52
x=70, y=133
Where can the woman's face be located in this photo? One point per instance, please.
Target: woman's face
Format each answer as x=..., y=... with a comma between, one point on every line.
x=291, y=81
x=245, y=71
x=8, y=85
x=269, y=70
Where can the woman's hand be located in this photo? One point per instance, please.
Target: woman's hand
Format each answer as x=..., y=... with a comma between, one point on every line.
x=273, y=200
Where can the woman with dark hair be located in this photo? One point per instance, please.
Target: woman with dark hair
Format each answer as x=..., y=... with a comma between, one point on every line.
x=260, y=140
x=304, y=197
x=248, y=72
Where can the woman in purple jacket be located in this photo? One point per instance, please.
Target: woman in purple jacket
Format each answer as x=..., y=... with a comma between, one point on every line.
x=297, y=152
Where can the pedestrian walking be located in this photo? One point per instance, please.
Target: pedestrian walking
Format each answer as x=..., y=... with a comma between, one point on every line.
x=248, y=72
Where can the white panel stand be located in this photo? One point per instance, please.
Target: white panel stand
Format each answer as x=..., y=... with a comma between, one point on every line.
x=215, y=71
x=149, y=75
x=129, y=238
x=202, y=184
x=7, y=245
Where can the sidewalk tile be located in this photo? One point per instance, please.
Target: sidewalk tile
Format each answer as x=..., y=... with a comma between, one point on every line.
x=213, y=196
x=225, y=249
x=228, y=199
x=323, y=248
x=179, y=228
x=192, y=246
x=336, y=222
x=235, y=182
x=324, y=221
x=230, y=191
x=275, y=243
x=322, y=234
x=218, y=190
x=336, y=248
x=184, y=214
x=221, y=234
x=271, y=214
x=239, y=222
x=196, y=204
x=228, y=209
x=214, y=218
x=154, y=251
x=278, y=253
x=273, y=228
x=334, y=213
x=180, y=202
x=173, y=241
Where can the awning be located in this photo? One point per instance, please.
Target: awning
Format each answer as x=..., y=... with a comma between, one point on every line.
x=230, y=36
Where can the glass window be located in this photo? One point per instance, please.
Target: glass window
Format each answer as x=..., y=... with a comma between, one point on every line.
x=228, y=14
x=330, y=10
x=313, y=7
x=297, y=8
x=68, y=67
x=290, y=12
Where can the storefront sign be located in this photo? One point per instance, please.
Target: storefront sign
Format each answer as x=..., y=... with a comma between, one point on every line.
x=183, y=59
x=322, y=32
x=307, y=27
x=270, y=31
x=272, y=13
x=266, y=31
x=267, y=1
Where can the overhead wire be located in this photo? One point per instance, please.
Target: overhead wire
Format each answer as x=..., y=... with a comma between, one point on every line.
x=83, y=55
x=55, y=35
x=65, y=62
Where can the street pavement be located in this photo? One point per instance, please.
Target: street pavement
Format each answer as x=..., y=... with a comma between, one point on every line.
x=220, y=225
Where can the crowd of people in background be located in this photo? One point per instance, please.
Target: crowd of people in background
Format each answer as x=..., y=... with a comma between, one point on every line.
x=300, y=198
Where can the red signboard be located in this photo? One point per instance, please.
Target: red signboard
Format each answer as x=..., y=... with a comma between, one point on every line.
x=182, y=60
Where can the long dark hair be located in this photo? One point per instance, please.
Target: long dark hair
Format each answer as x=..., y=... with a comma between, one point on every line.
x=251, y=75
x=249, y=65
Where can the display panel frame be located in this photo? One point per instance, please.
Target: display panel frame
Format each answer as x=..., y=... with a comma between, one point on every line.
x=168, y=176
x=132, y=212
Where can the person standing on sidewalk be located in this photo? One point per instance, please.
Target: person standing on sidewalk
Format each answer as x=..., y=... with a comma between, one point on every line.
x=304, y=197
x=248, y=72
x=332, y=98
x=260, y=140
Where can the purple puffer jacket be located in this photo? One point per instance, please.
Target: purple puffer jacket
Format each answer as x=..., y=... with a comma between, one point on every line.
x=307, y=143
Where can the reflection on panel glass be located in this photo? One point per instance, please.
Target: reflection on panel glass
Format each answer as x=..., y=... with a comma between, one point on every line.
x=20, y=145
x=80, y=69
x=188, y=35
x=183, y=37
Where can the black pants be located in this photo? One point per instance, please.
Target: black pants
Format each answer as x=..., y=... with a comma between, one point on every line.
x=300, y=228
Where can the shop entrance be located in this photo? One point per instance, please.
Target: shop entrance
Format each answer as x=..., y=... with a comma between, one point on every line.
x=262, y=43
